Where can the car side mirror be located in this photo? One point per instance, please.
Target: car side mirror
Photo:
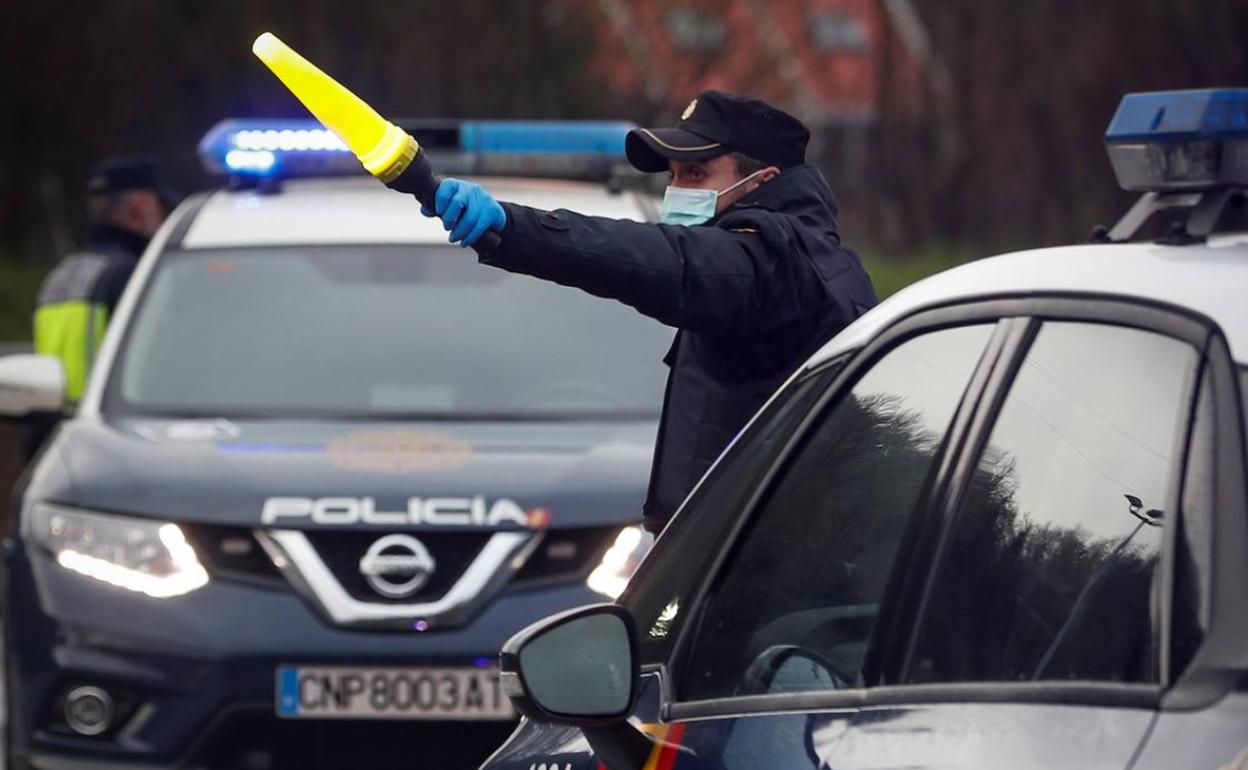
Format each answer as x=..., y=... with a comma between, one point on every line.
x=578, y=667
x=31, y=384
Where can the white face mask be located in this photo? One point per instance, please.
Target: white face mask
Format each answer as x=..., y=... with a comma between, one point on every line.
x=694, y=206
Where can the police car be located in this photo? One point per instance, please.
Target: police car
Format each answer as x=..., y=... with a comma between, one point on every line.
x=326, y=464
x=1000, y=521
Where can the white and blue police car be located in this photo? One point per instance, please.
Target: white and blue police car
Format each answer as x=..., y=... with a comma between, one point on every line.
x=325, y=465
x=999, y=521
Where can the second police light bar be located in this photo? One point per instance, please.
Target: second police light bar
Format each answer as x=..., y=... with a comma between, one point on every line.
x=1179, y=141
x=304, y=148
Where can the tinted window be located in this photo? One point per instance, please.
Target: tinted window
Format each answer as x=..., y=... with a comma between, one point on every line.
x=369, y=330
x=658, y=595
x=1051, y=571
x=795, y=607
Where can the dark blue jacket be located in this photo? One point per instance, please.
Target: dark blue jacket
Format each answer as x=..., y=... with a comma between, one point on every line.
x=754, y=293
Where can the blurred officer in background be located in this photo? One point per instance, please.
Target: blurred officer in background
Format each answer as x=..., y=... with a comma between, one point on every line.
x=747, y=263
x=126, y=203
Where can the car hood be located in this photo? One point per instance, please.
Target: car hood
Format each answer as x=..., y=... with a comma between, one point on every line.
x=561, y=474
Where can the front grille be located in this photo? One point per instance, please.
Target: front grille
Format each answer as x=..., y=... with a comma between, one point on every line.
x=232, y=553
x=255, y=739
x=564, y=555
x=452, y=552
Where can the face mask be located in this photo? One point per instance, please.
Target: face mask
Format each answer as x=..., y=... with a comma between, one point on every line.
x=692, y=206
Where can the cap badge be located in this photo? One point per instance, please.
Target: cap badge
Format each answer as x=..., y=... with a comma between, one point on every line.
x=693, y=105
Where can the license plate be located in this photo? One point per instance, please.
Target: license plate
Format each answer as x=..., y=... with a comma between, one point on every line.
x=391, y=693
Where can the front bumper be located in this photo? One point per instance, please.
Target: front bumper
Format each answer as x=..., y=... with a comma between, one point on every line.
x=194, y=675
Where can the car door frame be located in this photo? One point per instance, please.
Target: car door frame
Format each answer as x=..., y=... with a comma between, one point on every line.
x=1222, y=656
x=1017, y=320
x=1107, y=310
x=1219, y=662
x=923, y=322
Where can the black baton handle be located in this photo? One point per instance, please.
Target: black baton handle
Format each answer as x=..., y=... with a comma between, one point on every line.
x=418, y=179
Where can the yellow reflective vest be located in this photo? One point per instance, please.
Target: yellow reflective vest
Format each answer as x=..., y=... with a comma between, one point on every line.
x=75, y=304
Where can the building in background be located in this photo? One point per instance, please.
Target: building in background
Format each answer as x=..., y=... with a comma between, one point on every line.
x=840, y=65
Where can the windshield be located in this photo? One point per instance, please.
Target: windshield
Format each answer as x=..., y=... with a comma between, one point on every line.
x=375, y=331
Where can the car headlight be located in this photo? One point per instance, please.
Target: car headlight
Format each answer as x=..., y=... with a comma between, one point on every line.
x=620, y=562
x=147, y=556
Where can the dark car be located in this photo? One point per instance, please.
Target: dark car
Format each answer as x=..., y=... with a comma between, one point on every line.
x=325, y=466
x=1000, y=521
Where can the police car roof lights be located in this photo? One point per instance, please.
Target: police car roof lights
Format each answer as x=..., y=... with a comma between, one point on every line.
x=252, y=148
x=604, y=138
x=261, y=148
x=1180, y=140
x=1183, y=149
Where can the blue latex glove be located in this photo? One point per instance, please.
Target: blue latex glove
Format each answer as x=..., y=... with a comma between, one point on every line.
x=467, y=210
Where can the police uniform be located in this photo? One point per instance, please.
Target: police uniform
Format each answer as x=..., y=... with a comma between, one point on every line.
x=78, y=297
x=753, y=292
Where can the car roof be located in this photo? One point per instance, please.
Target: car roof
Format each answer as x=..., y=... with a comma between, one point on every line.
x=347, y=210
x=1207, y=278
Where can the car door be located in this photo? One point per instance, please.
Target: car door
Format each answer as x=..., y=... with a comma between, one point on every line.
x=1046, y=635
x=1203, y=722
x=965, y=558
x=791, y=610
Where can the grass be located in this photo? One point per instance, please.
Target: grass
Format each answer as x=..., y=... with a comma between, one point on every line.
x=890, y=272
x=19, y=285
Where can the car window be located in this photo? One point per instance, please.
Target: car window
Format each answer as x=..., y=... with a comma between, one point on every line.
x=1051, y=570
x=795, y=606
x=658, y=595
x=416, y=331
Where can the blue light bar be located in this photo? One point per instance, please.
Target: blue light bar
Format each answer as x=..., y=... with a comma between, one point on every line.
x=551, y=137
x=250, y=161
x=1210, y=113
x=304, y=148
x=1172, y=141
x=275, y=147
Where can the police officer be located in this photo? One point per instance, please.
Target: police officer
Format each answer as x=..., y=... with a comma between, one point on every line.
x=747, y=264
x=126, y=203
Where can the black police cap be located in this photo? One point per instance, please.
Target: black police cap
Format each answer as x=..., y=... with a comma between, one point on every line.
x=717, y=123
x=135, y=172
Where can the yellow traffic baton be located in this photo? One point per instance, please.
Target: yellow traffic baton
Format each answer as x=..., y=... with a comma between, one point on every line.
x=386, y=151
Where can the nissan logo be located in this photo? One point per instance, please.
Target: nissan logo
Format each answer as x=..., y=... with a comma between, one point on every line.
x=397, y=566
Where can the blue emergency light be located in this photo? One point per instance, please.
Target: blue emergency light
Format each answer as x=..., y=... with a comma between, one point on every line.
x=603, y=138
x=261, y=149
x=1176, y=141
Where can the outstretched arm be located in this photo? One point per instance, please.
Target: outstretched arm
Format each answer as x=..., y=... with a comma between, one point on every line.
x=698, y=278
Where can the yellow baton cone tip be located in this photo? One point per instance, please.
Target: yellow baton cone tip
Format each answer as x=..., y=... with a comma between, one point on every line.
x=384, y=149
x=266, y=45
